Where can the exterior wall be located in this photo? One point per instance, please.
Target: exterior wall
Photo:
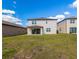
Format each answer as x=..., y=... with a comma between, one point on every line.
x=71, y=25
x=50, y=24
x=62, y=27
x=65, y=26
x=11, y=30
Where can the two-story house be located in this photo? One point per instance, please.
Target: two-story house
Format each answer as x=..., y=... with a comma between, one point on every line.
x=41, y=26
x=68, y=25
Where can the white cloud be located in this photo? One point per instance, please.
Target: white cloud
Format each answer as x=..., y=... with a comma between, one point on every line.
x=5, y=11
x=11, y=19
x=52, y=17
x=67, y=13
x=74, y=4
x=59, y=17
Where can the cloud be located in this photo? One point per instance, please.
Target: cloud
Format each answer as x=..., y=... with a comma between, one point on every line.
x=5, y=11
x=8, y=16
x=52, y=17
x=14, y=2
x=74, y=4
x=14, y=6
x=67, y=13
x=11, y=19
x=59, y=17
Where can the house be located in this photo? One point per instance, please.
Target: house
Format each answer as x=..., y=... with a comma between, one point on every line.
x=9, y=29
x=68, y=25
x=41, y=26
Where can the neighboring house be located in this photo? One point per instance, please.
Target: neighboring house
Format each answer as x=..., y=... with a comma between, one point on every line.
x=41, y=26
x=9, y=28
x=68, y=25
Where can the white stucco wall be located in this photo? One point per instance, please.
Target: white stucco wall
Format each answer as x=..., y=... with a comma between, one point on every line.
x=50, y=24
x=71, y=25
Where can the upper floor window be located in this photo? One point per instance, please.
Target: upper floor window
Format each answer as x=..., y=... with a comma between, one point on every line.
x=46, y=22
x=48, y=29
x=72, y=21
x=34, y=22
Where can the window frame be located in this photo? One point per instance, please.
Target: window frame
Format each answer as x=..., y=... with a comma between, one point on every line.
x=72, y=21
x=48, y=29
x=46, y=21
x=73, y=29
x=33, y=21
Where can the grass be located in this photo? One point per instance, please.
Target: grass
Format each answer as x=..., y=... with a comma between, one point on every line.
x=57, y=46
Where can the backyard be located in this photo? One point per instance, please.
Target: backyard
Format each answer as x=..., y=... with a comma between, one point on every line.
x=55, y=46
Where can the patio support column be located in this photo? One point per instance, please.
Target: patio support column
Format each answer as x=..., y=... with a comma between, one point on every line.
x=41, y=30
x=29, y=31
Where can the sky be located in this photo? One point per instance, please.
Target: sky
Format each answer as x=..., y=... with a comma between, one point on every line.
x=25, y=9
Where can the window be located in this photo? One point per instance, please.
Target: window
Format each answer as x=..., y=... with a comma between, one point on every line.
x=72, y=21
x=73, y=29
x=48, y=29
x=34, y=22
x=46, y=22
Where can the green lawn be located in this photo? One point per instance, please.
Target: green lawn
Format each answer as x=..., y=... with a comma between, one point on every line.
x=57, y=46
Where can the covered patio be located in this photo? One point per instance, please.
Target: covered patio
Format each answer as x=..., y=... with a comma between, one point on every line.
x=31, y=30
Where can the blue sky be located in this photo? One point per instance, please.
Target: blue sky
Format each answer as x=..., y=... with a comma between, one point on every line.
x=25, y=9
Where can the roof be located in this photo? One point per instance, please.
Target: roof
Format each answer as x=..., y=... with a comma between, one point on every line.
x=41, y=19
x=69, y=18
x=35, y=26
x=11, y=24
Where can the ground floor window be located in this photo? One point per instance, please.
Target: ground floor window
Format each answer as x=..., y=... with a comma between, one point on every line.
x=35, y=31
x=73, y=29
x=48, y=29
